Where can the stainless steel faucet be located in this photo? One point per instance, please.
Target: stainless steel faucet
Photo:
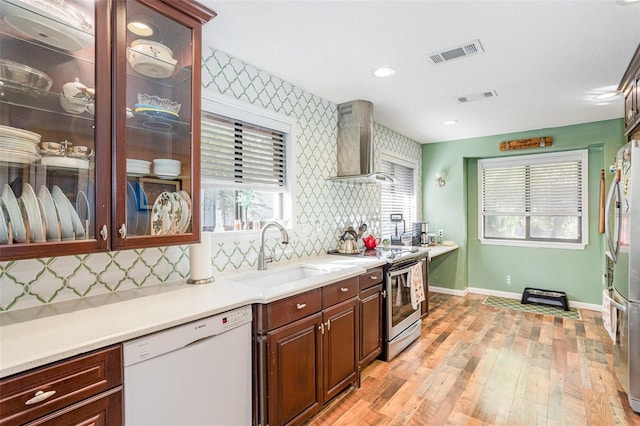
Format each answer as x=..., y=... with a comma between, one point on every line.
x=262, y=259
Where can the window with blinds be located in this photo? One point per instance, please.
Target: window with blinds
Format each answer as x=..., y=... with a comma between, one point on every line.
x=534, y=198
x=243, y=174
x=239, y=152
x=397, y=198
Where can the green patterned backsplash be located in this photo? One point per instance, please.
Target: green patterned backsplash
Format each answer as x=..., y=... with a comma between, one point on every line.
x=329, y=205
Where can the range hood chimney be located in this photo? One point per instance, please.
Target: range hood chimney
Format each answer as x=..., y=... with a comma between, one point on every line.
x=355, y=145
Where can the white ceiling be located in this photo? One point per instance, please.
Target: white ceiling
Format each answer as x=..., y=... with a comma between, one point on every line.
x=545, y=59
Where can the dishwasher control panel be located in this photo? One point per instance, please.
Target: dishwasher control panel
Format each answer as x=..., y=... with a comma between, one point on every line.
x=159, y=343
x=234, y=318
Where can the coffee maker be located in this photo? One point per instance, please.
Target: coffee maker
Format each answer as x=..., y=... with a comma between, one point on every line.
x=419, y=234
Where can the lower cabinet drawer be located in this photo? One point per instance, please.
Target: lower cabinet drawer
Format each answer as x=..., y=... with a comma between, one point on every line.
x=370, y=278
x=281, y=312
x=339, y=292
x=28, y=396
x=104, y=409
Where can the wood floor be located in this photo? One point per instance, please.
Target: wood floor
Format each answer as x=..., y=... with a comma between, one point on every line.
x=481, y=365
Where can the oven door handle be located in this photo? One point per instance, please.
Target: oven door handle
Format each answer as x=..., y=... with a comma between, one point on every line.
x=393, y=272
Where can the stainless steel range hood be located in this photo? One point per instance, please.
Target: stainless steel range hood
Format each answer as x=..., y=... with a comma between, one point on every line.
x=355, y=145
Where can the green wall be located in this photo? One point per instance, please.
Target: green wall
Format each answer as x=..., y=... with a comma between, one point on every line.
x=454, y=208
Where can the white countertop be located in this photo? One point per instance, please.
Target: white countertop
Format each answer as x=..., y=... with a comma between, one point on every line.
x=37, y=336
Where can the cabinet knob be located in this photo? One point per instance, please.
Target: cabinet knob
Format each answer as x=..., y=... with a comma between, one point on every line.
x=344, y=289
x=40, y=396
x=321, y=327
x=373, y=277
x=328, y=325
x=301, y=306
x=384, y=294
x=104, y=232
x=123, y=231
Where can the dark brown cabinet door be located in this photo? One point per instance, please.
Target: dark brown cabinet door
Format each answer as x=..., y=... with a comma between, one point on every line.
x=629, y=107
x=629, y=87
x=370, y=324
x=295, y=388
x=340, y=349
x=54, y=127
x=157, y=115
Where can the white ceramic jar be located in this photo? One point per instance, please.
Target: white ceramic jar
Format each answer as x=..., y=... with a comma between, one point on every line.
x=151, y=59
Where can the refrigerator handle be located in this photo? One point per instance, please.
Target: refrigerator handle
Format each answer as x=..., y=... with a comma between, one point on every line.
x=613, y=249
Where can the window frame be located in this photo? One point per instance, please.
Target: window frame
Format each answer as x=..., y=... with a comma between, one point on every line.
x=227, y=107
x=581, y=155
x=413, y=165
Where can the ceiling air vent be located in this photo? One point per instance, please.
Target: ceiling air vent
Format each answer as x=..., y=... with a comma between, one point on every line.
x=477, y=96
x=468, y=49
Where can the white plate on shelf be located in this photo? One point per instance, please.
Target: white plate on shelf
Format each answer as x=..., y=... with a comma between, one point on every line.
x=20, y=133
x=10, y=143
x=176, y=217
x=4, y=231
x=50, y=214
x=30, y=203
x=65, y=162
x=62, y=204
x=15, y=216
x=11, y=156
x=44, y=27
x=83, y=209
x=186, y=210
x=161, y=214
x=78, y=225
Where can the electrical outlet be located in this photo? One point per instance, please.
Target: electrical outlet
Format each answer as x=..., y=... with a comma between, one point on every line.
x=440, y=233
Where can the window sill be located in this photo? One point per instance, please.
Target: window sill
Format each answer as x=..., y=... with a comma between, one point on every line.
x=534, y=244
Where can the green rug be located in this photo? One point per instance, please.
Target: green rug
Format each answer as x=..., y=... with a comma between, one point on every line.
x=534, y=308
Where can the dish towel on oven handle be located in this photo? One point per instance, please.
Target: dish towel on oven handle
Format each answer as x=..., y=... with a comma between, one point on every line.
x=402, y=282
x=609, y=315
x=417, y=286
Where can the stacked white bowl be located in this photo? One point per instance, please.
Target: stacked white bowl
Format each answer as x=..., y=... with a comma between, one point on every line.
x=166, y=168
x=138, y=167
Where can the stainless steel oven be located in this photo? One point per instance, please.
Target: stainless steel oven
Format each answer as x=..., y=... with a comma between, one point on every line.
x=403, y=321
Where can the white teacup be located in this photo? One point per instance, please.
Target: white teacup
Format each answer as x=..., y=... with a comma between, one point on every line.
x=76, y=98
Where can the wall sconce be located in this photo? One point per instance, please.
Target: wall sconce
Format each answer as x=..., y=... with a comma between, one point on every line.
x=440, y=180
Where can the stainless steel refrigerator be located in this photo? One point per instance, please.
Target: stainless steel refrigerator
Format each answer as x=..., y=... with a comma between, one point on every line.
x=622, y=230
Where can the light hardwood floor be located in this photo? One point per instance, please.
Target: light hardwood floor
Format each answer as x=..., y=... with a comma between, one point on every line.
x=480, y=365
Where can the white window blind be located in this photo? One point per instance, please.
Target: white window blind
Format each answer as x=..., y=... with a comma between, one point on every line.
x=234, y=151
x=535, y=197
x=398, y=197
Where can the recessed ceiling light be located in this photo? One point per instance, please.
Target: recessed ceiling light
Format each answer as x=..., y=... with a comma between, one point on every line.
x=384, y=72
x=449, y=122
x=606, y=96
x=140, y=28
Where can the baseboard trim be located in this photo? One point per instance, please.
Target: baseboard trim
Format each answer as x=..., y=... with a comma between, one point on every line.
x=506, y=294
x=449, y=291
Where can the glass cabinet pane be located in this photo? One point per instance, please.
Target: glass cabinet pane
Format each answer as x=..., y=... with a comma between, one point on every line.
x=158, y=140
x=47, y=123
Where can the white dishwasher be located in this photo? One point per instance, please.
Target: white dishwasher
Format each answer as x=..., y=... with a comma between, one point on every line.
x=193, y=374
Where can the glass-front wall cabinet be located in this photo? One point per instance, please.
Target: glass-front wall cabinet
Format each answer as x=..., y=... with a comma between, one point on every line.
x=156, y=150
x=99, y=105
x=50, y=145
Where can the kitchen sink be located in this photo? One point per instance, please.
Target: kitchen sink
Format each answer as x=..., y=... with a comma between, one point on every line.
x=278, y=277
